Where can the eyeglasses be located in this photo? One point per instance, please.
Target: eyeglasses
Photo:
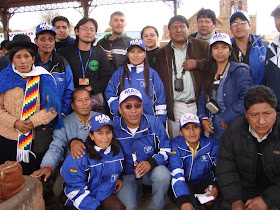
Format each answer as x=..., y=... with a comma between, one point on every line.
x=88, y=29
x=136, y=106
x=241, y=23
x=44, y=39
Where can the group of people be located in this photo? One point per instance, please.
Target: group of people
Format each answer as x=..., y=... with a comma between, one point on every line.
x=193, y=115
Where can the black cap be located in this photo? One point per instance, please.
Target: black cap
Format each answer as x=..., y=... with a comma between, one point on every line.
x=276, y=12
x=22, y=40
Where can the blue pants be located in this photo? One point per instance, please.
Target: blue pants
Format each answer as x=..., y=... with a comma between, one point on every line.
x=159, y=178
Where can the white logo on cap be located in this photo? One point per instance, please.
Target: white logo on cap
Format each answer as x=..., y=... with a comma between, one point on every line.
x=219, y=36
x=131, y=91
x=102, y=118
x=46, y=26
x=136, y=42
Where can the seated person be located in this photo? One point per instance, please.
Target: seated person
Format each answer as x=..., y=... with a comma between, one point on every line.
x=192, y=164
x=248, y=162
x=92, y=181
x=145, y=135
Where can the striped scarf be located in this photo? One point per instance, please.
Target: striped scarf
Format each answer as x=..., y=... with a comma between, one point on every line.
x=28, y=109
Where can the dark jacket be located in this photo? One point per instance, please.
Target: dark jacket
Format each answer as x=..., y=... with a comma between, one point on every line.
x=237, y=82
x=4, y=61
x=62, y=73
x=98, y=70
x=63, y=44
x=198, y=50
x=118, y=48
x=237, y=162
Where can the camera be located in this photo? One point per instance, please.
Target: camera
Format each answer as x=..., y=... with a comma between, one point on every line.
x=213, y=106
x=179, y=85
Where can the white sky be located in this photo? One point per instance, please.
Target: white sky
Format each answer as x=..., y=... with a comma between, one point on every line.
x=139, y=15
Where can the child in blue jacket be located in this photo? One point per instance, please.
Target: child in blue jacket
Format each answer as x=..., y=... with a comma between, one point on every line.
x=137, y=74
x=93, y=179
x=192, y=163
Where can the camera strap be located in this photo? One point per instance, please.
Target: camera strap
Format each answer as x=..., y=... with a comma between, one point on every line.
x=175, y=68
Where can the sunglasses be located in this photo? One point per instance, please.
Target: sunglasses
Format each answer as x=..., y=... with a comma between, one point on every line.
x=136, y=106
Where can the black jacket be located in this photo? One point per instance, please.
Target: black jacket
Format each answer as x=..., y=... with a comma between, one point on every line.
x=237, y=162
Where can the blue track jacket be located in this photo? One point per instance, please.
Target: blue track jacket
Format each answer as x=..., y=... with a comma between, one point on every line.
x=184, y=168
x=150, y=142
x=87, y=191
x=155, y=105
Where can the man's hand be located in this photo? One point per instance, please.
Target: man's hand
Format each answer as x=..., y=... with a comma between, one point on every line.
x=223, y=124
x=89, y=88
x=118, y=185
x=238, y=205
x=256, y=203
x=213, y=192
x=143, y=168
x=77, y=149
x=109, y=55
x=187, y=206
x=46, y=172
x=22, y=126
x=207, y=126
x=189, y=64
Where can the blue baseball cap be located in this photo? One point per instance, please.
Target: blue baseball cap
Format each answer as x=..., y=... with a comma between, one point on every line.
x=99, y=120
x=45, y=27
x=136, y=42
x=239, y=13
x=189, y=118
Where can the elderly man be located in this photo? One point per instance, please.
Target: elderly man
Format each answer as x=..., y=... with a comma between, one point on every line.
x=272, y=64
x=206, y=23
x=249, y=155
x=180, y=65
x=55, y=64
x=62, y=28
x=145, y=135
x=249, y=48
x=115, y=43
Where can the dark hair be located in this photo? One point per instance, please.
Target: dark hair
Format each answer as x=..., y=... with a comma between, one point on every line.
x=4, y=44
x=126, y=74
x=93, y=154
x=207, y=13
x=119, y=13
x=142, y=32
x=259, y=94
x=84, y=21
x=212, y=70
x=76, y=90
x=178, y=18
x=15, y=49
x=60, y=18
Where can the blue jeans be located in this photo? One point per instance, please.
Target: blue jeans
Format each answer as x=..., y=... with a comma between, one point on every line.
x=159, y=178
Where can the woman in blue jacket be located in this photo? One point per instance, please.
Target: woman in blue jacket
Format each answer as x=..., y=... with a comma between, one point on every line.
x=93, y=179
x=225, y=85
x=137, y=74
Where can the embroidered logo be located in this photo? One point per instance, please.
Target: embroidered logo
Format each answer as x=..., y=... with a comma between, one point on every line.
x=203, y=158
x=73, y=170
x=143, y=84
x=93, y=65
x=148, y=149
x=114, y=177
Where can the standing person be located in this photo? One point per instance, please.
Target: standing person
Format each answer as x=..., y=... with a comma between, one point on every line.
x=180, y=64
x=248, y=156
x=225, y=85
x=28, y=100
x=272, y=64
x=89, y=63
x=150, y=36
x=145, y=135
x=5, y=61
x=93, y=180
x=115, y=43
x=137, y=74
x=192, y=164
x=55, y=64
x=206, y=23
x=249, y=48
x=62, y=28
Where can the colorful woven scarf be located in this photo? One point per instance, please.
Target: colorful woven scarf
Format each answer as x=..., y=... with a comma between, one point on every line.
x=28, y=109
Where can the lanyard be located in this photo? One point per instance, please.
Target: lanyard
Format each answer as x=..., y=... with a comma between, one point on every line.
x=84, y=68
x=175, y=68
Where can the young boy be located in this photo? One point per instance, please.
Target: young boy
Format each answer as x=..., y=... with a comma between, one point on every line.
x=192, y=163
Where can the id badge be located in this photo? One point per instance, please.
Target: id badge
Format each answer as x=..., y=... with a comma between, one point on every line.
x=83, y=81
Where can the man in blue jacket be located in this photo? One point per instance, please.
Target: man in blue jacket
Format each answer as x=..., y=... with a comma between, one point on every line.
x=249, y=48
x=55, y=64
